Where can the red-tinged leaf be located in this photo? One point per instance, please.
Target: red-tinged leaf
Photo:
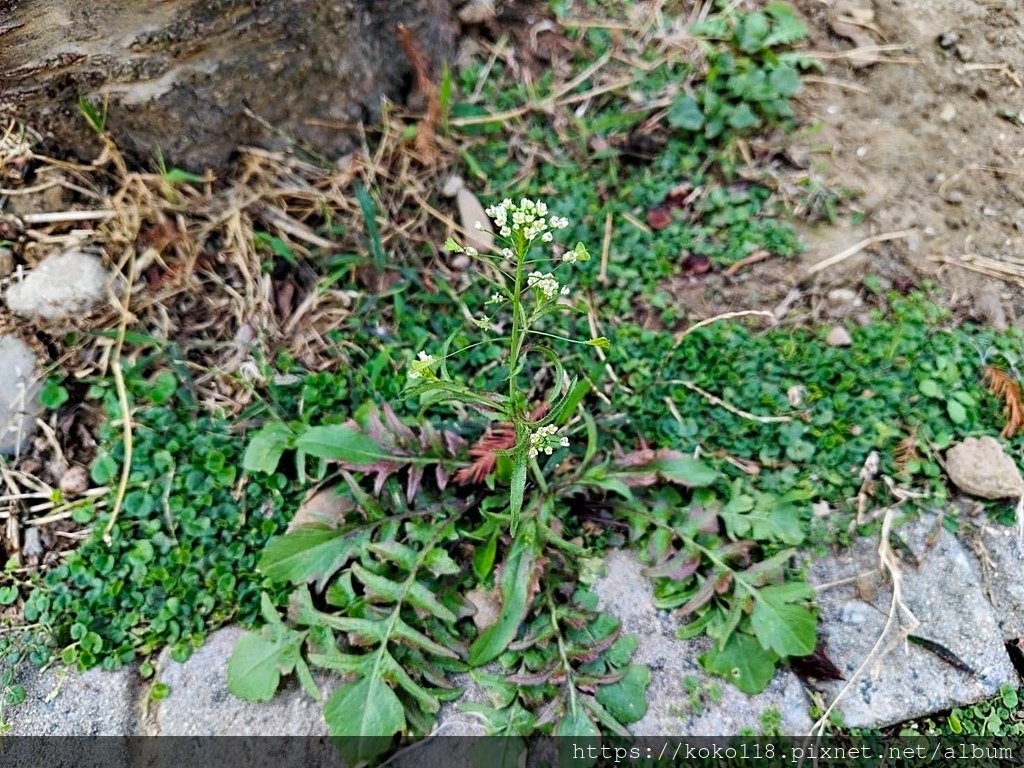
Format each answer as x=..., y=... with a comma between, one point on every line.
x=441, y=475
x=699, y=599
x=396, y=425
x=723, y=583
x=412, y=483
x=533, y=678
x=680, y=567
x=817, y=666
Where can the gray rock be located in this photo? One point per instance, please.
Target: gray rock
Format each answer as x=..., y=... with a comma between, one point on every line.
x=682, y=699
x=1002, y=561
x=839, y=337
x=944, y=593
x=19, y=394
x=988, y=307
x=199, y=703
x=62, y=286
x=980, y=467
x=62, y=702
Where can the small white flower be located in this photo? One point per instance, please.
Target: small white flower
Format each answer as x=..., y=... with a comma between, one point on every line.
x=507, y=253
x=470, y=251
x=543, y=282
x=542, y=440
x=422, y=366
x=547, y=237
x=565, y=290
x=478, y=225
x=483, y=323
x=569, y=257
x=496, y=298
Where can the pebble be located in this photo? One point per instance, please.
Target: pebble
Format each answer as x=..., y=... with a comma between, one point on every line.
x=980, y=467
x=838, y=337
x=19, y=394
x=948, y=40
x=62, y=286
x=948, y=113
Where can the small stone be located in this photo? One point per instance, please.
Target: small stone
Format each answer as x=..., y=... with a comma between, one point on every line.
x=945, y=593
x=980, y=467
x=6, y=262
x=19, y=394
x=948, y=40
x=988, y=307
x=461, y=262
x=965, y=53
x=838, y=337
x=74, y=482
x=840, y=300
x=477, y=12
x=452, y=185
x=948, y=113
x=954, y=197
x=62, y=286
x=471, y=213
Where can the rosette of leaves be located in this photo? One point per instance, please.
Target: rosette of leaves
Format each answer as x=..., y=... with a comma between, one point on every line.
x=724, y=567
x=376, y=601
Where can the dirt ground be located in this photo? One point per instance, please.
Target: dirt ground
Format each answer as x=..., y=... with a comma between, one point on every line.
x=920, y=114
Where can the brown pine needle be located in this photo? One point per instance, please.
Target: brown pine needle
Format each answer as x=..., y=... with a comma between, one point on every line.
x=906, y=450
x=1006, y=387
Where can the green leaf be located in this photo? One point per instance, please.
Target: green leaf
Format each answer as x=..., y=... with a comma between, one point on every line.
x=785, y=81
x=364, y=708
x=452, y=247
x=743, y=662
x=686, y=113
x=342, y=442
x=957, y=413
x=930, y=388
x=743, y=117
x=685, y=471
x=483, y=557
x=518, y=488
x=53, y=395
x=259, y=660
x=309, y=553
x=266, y=447
x=601, y=342
x=626, y=700
x=516, y=582
x=576, y=723
x=786, y=628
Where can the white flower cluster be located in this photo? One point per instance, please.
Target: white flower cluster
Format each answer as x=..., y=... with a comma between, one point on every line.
x=542, y=440
x=529, y=218
x=422, y=366
x=546, y=284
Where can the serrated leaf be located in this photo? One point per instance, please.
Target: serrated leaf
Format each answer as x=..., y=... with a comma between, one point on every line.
x=259, y=660
x=782, y=626
x=785, y=81
x=266, y=447
x=364, y=708
x=626, y=700
x=743, y=662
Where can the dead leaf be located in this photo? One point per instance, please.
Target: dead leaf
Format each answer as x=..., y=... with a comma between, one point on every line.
x=325, y=506
x=470, y=213
x=487, y=605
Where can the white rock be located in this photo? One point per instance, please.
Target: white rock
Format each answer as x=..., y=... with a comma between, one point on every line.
x=477, y=11
x=62, y=286
x=19, y=394
x=980, y=467
x=838, y=337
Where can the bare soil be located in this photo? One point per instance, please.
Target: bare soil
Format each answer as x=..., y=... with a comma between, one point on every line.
x=929, y=137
